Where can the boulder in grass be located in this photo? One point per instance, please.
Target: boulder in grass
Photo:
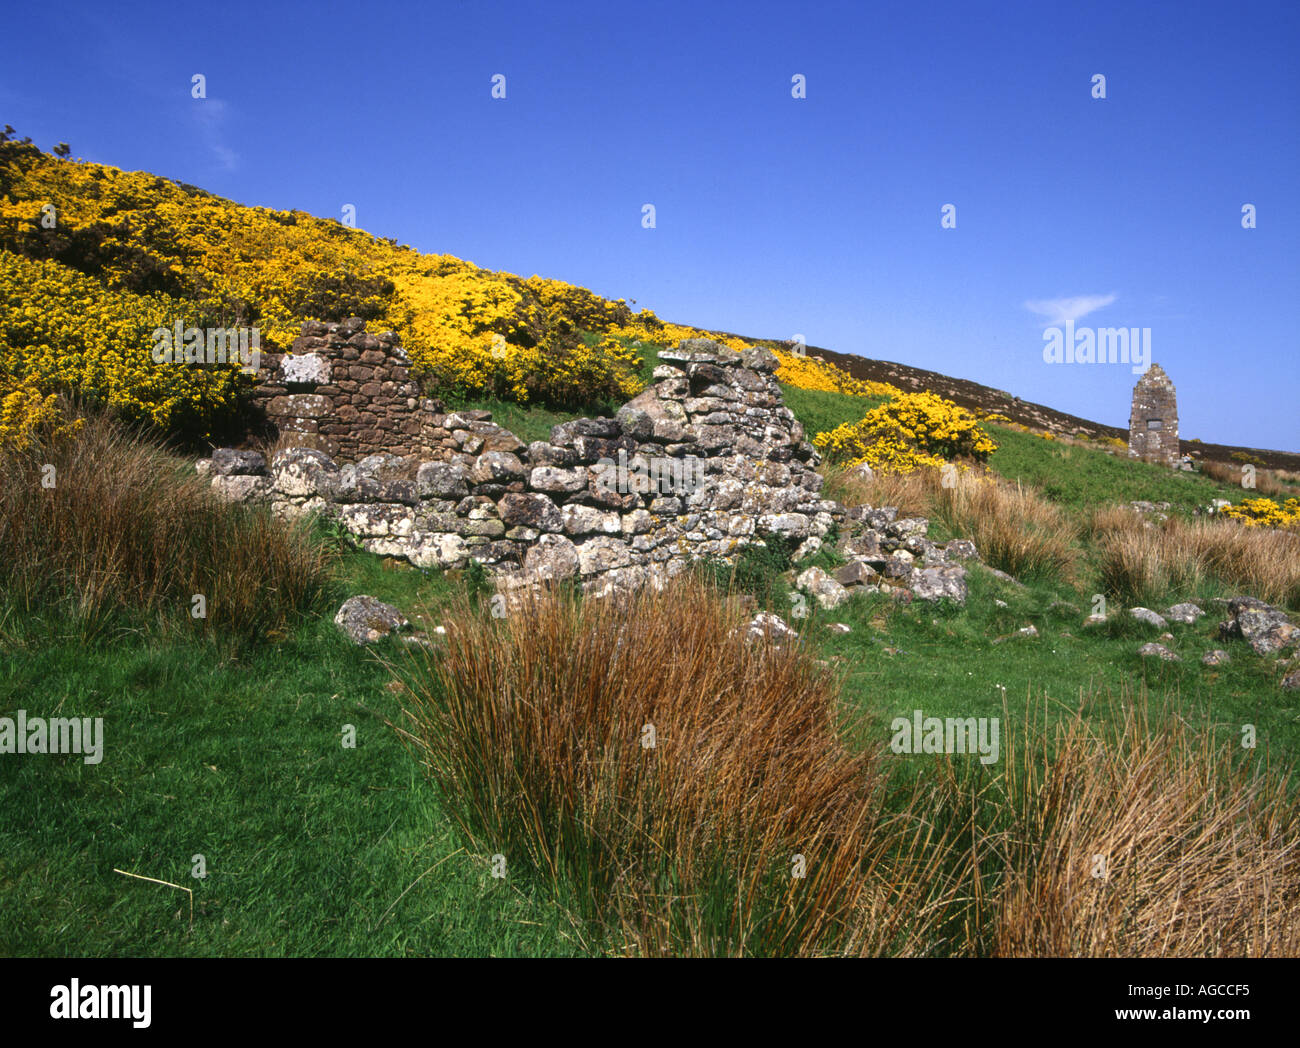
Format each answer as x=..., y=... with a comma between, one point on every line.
x=227, y=462
x=769, y=626
x=1186, y=613
x=939, y=583
x=1151, y=618
x=1268, y=629
x=366, y=619
x=829, y=593
x=1158, y=651
x=1217, y=657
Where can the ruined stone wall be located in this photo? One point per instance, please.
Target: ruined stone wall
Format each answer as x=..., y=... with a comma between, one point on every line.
x=345, y=392
x=1153, y=422
x=703, y=462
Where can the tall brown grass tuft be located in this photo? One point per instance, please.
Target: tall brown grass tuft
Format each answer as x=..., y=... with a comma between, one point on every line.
x=912, y=493
x=1144, y=560
x=532, y=728
x=1272, y=483
x=1014, y=527
x=126, y=528
x=1135, y=834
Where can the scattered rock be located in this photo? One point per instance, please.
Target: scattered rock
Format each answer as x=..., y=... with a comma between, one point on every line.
x=1186, y=613
x=366, y=620
x=1158, y=651
x=1151, y=618
x=1291, y=681
x=1217, y=657
x=839, y=627
x=829, y=593
x=768, y=625
x=939, y=583
x=856, y=573
x=1268, y=629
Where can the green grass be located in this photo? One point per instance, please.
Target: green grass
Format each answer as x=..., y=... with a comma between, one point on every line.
x=310, y=847
x=1082, y=478
x=820, y=412
x=316, y=849
x=945, y=662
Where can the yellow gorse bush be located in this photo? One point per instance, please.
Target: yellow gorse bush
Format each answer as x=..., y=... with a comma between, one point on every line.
x=1265, y=512
x=152, y=251
x=911, y=431
x=61, y=332
x=26, y=412
x=131, y=252
x=805, y=372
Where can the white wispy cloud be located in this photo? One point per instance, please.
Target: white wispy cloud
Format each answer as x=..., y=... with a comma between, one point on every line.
x=1056, y=311
x=210, y=114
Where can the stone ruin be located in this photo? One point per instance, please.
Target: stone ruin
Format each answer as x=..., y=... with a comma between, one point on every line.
x=1153, y=422
x=704, y=462
x=345, y=392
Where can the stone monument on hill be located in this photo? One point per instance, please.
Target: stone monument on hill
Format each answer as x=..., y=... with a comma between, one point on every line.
x=1153, y=422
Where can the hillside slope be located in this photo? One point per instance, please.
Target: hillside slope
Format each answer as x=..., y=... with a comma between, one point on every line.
x=985, y=399
x=131, y=253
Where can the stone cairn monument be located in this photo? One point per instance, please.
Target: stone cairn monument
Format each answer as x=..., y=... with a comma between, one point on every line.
x=1153, y=422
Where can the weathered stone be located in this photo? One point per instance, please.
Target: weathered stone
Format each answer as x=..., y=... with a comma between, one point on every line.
x=366, y=620
x=769, y=626
x=528, y=510
x=1186, y=613
x=300, y=472
x=553, y=557
x=899, y=564
x=443, y=480
x=496, y=467
x=856, y=573
x=602, y=553
x=1266, y=628
x=939, y=583
x=1158, y=651
x=1151, y=618
x=241, y=487
x=828, y=592
x=556, y=480
x=227, y=462
x=584, y=520
x=305, y=368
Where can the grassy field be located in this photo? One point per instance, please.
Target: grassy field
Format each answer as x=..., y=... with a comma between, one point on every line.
x=310, y=848
x=234, y=751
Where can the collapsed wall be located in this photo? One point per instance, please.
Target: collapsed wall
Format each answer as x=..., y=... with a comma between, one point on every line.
x=343, y=391
x=705, y=461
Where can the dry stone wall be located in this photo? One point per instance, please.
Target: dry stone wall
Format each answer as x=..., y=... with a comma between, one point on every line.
x=345, y=392
x=705, y=461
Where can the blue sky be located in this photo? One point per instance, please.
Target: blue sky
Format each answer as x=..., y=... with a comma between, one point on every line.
x=774, y=215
